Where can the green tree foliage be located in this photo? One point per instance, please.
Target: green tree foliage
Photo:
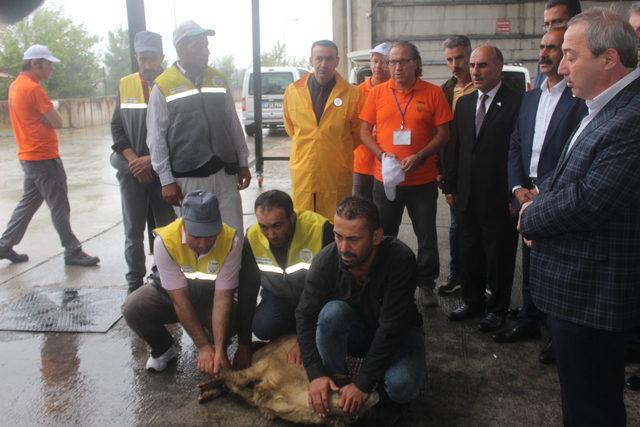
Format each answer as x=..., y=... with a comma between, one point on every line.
x=77, y=73
x=117, y=59
x=277, y=56
x=226, y=65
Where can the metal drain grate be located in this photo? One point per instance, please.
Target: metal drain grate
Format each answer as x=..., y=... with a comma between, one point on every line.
x=63, y=310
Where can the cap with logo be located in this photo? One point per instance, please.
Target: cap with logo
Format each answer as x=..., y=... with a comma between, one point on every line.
x=201, y=214
x=147, y=41
x=189, y=29
x=39, y=51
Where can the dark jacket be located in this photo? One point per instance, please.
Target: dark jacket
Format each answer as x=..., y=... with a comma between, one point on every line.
x=585, y=226
x=565, y=119
x=477, y=169
x=385, y=303
x=447, y=88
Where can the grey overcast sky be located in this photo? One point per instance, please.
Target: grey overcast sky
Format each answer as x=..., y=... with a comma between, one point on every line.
x=297, y=22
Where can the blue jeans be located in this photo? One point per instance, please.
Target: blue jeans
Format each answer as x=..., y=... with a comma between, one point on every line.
x=342, y=332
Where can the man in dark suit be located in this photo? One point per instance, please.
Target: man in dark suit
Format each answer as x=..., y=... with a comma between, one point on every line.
x=547, y=117
x=477, y=186
x=585, y=227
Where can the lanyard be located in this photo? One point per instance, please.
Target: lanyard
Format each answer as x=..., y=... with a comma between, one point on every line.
x=406, y=107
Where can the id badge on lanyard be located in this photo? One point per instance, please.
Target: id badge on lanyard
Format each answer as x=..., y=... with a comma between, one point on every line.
x=402, y=136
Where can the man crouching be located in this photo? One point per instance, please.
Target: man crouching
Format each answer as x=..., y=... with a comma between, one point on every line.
x=358, y=300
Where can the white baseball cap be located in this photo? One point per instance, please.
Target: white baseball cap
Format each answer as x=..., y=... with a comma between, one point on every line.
x=383, y=49
x=39, y=51
x=392, y=175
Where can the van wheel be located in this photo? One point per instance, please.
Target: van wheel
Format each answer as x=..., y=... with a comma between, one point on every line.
x=250, y=129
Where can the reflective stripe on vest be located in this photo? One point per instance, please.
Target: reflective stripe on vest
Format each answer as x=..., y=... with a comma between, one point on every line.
x=306, y=242
x=208, y=266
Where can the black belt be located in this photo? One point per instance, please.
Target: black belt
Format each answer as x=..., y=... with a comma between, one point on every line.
x=213, y=165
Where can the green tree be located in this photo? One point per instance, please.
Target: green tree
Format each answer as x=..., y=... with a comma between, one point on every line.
x=226, y=65
x=117, y=59
x=277, y=56
x=78, y=72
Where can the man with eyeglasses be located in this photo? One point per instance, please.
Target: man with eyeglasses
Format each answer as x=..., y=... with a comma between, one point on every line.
x=411, y=118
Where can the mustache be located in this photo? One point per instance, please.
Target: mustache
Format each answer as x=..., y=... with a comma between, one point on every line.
x=347, y=255
x=545, y=60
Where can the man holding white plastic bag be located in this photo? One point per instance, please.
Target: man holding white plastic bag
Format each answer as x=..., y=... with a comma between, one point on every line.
x=411, y=118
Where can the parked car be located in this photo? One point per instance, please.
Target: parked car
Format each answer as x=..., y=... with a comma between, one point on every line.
x=274, y=82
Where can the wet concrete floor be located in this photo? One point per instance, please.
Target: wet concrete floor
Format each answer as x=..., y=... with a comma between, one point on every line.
x=99, y=378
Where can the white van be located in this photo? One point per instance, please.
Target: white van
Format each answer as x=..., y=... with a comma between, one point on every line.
x=274, y=82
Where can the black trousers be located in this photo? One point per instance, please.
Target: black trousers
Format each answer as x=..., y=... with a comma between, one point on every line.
x=530, y=316
x=590, y=365
x=488, y=248
x=274, y=317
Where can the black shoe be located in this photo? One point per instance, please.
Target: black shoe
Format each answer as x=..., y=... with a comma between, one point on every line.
x=465, y=312
x=546, y=355
x=491, y=322
x=385, y=413
x=517, y=333
x=452, y=286
x=13, y=256
x=81, y=258
x=633, y=382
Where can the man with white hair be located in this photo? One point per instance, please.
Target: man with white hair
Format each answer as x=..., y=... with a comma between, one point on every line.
x=34, y=120
x=634, y=20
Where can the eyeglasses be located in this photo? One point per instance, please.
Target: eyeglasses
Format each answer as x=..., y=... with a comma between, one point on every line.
x=396, y=62
x=556, y=23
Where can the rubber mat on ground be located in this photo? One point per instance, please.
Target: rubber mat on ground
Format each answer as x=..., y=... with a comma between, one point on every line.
x=63, y=310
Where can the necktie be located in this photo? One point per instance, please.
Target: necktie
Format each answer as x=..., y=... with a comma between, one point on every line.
x=482, y=111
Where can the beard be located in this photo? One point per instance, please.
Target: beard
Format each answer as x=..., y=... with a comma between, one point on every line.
x=354, y=260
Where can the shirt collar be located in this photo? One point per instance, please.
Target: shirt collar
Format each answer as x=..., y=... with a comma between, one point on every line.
x=492, y=93
x=609, y=93
x=559, y=87
x=392, y=85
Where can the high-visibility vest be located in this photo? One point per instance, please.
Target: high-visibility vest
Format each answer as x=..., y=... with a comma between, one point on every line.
x=133, y=116
x=288, y=281
x=199, y=123
x=208, y=266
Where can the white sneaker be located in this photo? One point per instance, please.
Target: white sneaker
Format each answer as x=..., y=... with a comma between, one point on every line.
x=160, y=363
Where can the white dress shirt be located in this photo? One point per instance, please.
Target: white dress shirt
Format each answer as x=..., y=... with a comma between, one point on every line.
x=546, y=106
x=596, y=104
x=490, y=97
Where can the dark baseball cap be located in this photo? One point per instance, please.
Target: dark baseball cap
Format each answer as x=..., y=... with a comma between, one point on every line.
x=201, y=214
x=147, y=41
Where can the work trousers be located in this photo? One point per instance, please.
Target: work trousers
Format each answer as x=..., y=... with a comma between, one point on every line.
x=421, y=203
x=274, y=317
x=137, y=198
x=342, y=332
x=454, y=244
x=148, y=309
x=44, y=180
x=225, y=188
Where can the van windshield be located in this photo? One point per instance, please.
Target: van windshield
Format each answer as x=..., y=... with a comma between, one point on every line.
x=273, y=83
x=515, y=80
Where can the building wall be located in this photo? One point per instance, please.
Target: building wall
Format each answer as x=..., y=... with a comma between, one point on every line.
x=75, y=112
x=428, y=22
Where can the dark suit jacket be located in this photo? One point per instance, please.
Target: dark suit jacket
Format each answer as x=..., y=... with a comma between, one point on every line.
x=585, y=227
x=564, y=120
x=477, y=167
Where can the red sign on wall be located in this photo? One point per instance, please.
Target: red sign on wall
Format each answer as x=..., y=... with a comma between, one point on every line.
x=503, y=26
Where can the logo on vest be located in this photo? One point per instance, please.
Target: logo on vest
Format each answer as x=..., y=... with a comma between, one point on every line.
x=130, y=101
x=305, y=254
x=178, y=89
x=337, y=102
x=212, y=266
